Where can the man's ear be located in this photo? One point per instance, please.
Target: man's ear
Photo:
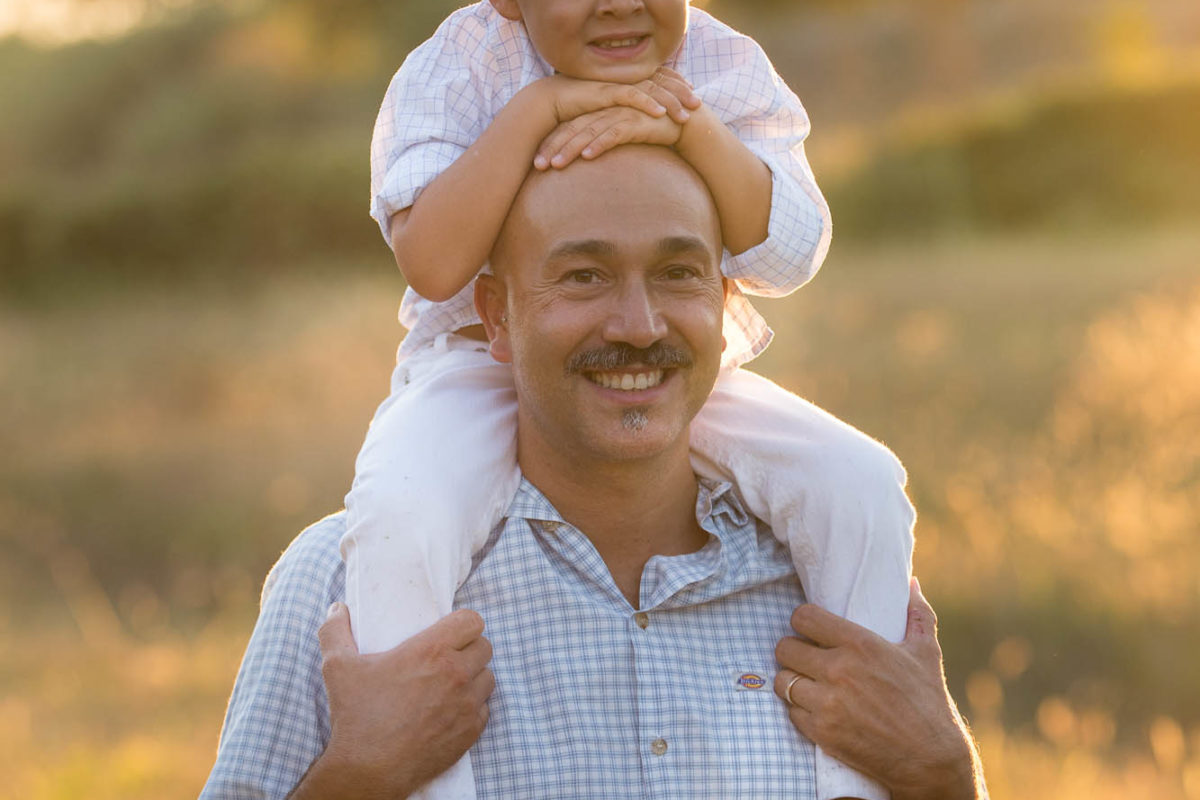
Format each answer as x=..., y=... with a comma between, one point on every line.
x=491, y=303
x=509, y=9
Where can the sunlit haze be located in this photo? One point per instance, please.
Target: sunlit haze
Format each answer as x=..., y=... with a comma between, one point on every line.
x=62, y=21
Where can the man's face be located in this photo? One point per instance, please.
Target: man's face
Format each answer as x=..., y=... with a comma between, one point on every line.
x=613, y=302
x=621, y=41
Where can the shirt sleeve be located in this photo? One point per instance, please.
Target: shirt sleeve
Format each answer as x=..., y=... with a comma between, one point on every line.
x=277, y=722
x=735, y=79
x=432, y=111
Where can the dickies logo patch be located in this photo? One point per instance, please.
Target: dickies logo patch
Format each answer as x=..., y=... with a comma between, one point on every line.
x=750, y=681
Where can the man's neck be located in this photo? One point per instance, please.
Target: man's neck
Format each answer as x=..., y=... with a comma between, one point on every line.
x=631, y=510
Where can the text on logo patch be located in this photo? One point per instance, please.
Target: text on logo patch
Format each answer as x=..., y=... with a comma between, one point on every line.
x=749, y=680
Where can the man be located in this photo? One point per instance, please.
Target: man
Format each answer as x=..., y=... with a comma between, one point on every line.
x=636, y=615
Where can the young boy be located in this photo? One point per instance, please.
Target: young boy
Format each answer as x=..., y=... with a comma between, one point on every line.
x=506, y=84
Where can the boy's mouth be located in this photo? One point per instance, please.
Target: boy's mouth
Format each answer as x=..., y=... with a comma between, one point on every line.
x=618, y=43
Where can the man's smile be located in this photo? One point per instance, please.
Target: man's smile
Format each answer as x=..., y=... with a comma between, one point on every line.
x=626, y=381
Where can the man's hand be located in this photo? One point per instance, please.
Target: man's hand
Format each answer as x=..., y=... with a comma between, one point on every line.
x=402, y=717
x=882, y=708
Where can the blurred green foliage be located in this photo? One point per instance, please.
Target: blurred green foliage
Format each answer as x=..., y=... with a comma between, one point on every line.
x=178, y=148
x=1102, y=158
x=226, y=141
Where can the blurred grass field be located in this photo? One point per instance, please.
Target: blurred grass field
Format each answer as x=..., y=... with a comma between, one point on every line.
x=164, y=445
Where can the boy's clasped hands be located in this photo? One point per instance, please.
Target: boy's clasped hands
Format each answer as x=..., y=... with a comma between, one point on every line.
x=595, y=116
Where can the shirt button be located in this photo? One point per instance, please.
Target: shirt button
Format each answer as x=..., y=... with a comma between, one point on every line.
x=643, y=621
x=550, y=526
x=658, y=746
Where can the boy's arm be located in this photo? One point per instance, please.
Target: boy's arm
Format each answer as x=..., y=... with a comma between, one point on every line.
x=736, y=80
x=443, y=239
x=740, y=183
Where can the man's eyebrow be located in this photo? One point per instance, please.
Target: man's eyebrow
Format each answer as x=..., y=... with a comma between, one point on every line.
x=597, y=248
x=679, y=245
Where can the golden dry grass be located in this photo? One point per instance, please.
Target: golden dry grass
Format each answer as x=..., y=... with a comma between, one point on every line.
x=166, y=444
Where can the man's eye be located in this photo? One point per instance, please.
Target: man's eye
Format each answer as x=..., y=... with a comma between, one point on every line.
x=679, y=273
x=583, y=276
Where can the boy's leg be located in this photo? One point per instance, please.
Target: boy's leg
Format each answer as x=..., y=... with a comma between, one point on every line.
x=436, y=472
x=832, y=494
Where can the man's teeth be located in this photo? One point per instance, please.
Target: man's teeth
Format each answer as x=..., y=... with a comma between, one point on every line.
x=615, y=43
x=626, y=381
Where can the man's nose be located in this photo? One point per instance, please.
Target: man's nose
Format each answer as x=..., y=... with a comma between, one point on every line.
x=619, y=8
x=635, y=318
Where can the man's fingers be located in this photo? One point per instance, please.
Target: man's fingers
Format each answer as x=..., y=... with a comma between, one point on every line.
x=800, y=656
x=334, y=634
x=477, y=654
x=481, y=687
x=922, y=621
x=796, y=689
x=455, y=630
x=920, y=635
x=823, y=627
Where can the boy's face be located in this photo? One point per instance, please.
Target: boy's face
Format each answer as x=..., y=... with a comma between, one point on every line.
x=620, y=41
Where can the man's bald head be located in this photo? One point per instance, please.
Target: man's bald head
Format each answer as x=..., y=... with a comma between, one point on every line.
x=590, y=187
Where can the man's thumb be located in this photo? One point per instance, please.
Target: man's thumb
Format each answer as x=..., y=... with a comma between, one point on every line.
x=335, y=636
x=922, y=622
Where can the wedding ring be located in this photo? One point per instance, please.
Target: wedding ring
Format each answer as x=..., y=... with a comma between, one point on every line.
x=787, y=693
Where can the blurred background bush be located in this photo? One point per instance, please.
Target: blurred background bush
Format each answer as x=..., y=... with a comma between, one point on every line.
x=197, y=320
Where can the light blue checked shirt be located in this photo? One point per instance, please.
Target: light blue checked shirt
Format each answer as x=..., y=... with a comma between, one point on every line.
x=593, y=698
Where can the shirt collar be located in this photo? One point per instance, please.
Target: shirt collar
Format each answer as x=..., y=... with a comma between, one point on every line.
x=714, y=499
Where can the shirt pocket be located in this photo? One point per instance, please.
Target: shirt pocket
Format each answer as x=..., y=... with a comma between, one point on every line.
x=762, y=752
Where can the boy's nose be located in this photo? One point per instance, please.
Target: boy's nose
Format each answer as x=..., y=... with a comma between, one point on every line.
x=619, y=7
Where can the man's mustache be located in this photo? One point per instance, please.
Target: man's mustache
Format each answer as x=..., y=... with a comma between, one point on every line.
x=619, y=355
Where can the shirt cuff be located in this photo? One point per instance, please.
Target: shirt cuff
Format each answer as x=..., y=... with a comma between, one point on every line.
x=798, y=234
x=415, y=169
x=835, y=779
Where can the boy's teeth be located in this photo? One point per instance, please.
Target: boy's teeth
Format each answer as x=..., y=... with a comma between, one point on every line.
x=628, y=382
x=613, y=43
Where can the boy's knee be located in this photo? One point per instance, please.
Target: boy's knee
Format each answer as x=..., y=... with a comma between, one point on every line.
x=855, y=456
x=874, y=475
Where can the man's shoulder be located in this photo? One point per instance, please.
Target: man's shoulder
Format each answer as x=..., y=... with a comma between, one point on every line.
x=312, y=562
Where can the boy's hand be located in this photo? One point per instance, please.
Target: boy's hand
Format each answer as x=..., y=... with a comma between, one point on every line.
x=570, y=97
x=590, y=135
x=672, y=90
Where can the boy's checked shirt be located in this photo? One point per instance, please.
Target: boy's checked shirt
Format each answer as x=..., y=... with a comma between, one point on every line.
x=452, y=86
x=593, y=698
